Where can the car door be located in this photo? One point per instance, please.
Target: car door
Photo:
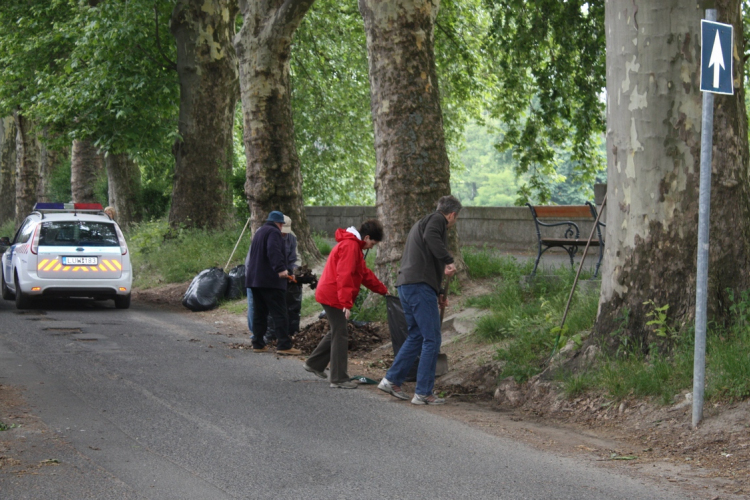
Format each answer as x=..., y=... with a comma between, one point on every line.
x=17, y=248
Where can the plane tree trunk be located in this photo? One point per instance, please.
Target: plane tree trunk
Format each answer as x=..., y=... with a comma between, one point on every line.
x=27, y=167
x=7, y=170
x=124, y=184
x=49, y=160
x=207, y=68
x=85, y=168
x=413, y=170
x=274, y=179
x=653, y=158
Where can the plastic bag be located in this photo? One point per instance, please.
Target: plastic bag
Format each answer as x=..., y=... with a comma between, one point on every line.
x=236, y=288
x=206, y=289
x=399, y=331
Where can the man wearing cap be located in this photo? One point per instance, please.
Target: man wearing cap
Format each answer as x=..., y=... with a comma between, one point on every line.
x=293, y=289
x=266, y=277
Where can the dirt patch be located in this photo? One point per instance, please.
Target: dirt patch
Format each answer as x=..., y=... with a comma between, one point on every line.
x=169, y=296
x=363, y=338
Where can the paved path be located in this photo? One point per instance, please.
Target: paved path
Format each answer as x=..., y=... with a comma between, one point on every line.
x=149, y=404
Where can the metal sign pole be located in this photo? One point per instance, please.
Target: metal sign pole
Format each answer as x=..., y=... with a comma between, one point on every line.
x=701, y=280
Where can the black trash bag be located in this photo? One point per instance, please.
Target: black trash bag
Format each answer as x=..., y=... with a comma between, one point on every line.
x=399, y=331
x=236, y=288
x=206, y=289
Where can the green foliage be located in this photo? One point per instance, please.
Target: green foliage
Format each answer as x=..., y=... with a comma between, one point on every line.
x=373, y=309
x=630, y=373
x=323, y=243
x=8, y=229
x=310, y=306
x=160, y=255
x=483, y=263
x=527, y=317
x=6, y=427
x=550, y=62
x=331, y=105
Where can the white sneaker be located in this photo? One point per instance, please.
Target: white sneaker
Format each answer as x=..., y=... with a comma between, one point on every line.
x=393, y=390
x=427, y=400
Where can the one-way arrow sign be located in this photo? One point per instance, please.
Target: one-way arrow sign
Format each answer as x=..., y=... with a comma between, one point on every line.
x=716, y=57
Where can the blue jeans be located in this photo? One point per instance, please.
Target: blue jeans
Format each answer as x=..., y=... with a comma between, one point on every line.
x=250, y=311
x=420, y=305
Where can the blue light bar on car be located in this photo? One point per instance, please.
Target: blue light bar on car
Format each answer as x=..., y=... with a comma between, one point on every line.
x=51, y=206
x=68, y=206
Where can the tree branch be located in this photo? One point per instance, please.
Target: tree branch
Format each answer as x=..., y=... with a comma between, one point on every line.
x=170, y=64
x=287, y=18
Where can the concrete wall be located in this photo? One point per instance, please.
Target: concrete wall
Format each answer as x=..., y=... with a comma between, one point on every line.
x=508, y=228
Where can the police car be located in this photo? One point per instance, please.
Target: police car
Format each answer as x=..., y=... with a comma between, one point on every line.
x=67, y=250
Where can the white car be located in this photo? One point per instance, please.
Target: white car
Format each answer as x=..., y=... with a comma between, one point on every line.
x=67, y=250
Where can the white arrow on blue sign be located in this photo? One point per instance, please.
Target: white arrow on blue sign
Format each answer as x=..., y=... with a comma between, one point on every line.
x=716, y=57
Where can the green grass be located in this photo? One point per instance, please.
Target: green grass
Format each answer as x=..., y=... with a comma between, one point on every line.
x=662, y=376
x=162, y=256
x=310, y=306
x=485, y=263
x=526, y=317
x=323, y=242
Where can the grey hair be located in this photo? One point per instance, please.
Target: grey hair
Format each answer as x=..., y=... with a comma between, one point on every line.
x=448, y=205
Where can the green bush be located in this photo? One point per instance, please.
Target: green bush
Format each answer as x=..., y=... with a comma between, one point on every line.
x=323, y=243
x=161, y=255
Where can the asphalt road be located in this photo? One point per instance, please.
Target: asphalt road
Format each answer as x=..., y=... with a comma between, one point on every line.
x=140, y=406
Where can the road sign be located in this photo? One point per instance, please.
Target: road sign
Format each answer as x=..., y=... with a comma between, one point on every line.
x=716, y=57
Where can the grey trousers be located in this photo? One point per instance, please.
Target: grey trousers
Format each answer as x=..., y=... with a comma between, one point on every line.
x=333, y=348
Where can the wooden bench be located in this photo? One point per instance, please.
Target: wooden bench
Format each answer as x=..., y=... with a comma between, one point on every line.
x=571, y=237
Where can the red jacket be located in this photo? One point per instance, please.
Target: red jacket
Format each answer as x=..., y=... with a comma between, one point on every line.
x=344, y=272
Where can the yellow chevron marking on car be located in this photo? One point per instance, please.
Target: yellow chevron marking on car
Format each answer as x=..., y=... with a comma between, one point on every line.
x=101, y=266
x=94, y=268
x=66, y=268
x=117, y=265
x=41, y=264
x=51, y=265
x=110, y=266
x=57, y=267
x=76, y=269
x=84, y=268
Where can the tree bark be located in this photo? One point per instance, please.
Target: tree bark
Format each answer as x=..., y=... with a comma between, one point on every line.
x=124, y=182
x=7, y=170
x=49, y=160
x=653, y=157
x=413, y=170
x=207, y=68
x=27, y=167
x=85, y=167
x=274, y=180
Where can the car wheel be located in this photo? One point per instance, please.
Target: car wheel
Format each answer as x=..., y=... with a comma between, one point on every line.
x=122, y=301
x=7, y=294
x=23, y=301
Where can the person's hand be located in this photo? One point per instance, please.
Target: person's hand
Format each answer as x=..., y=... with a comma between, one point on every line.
x=283, y=274
x=450, y=270
x=347, y=313
x=442, y=301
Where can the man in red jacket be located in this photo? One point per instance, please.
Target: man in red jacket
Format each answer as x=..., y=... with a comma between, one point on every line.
x=337, y=289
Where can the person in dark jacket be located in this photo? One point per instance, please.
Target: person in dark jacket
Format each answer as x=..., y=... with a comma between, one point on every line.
x=266, y=277
x=293, y=289
x=424, y=263
x=344, y=272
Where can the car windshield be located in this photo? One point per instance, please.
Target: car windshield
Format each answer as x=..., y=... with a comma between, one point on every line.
x=78, y=233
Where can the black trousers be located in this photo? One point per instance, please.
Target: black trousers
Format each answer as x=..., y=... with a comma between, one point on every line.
x=293, y=309
x=270, y=301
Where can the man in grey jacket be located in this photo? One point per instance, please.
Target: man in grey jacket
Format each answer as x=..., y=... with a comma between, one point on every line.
x=424, y=263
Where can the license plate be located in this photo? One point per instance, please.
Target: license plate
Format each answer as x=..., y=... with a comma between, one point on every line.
x=79, y=261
